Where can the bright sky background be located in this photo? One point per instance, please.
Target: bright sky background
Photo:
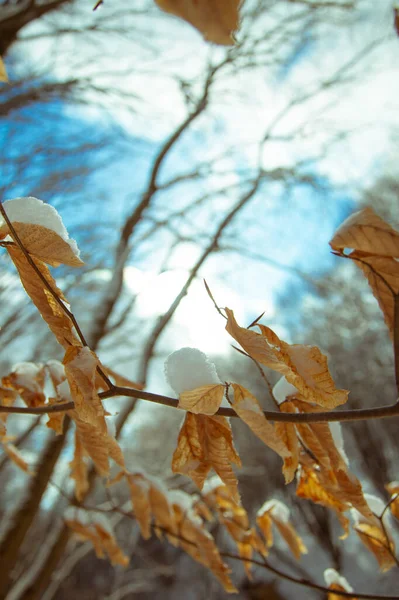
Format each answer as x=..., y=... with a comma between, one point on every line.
x=292, y=229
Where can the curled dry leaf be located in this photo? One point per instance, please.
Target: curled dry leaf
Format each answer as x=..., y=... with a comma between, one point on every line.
x=97, y=531
x=40, y=229
x=44, y=244
x=17, y=458
x=27, y=379
x=235, y=518
x=305, y=367
x=89, y=414
x=248, y=409
x=200, y=545
x=367, y=232
x=205, y=443
x=7, y=398
x=3, y=72
x=375, y=248
x=149, y=501
x=217, y=20
x=393, y=489
x=373, y=537
x=337, y=583
x=377, y=271
x=79, y=469
x=204, y=400
x=59, y=323
x=287, y=433
x=277, y=513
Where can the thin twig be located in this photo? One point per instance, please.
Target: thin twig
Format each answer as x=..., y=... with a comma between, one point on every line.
x=213, y=299
x=359, y=414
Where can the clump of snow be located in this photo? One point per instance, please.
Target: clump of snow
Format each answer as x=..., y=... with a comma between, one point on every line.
x=212, y=484
x=64, y=391
x=283, y=389
x=35, y=211
x=189, y=368
x=331, y=577
x=277, y=509
x=26, y=373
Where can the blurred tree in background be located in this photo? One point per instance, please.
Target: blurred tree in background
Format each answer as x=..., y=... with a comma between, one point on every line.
x=172, y=160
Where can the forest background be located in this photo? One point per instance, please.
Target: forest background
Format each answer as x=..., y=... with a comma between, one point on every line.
x=171, y=160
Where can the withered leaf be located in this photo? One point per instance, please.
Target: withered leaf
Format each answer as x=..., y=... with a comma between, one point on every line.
x=59, y=323
x=43, y=243
x=217, y=20
x=205, y=443
x=79, y=469
x=367, y=232
x=287, y=432
x=305, y=367
x=98, y=531
x=204, y=400
x=248, y=409
x=3, y=72
x=278, y=513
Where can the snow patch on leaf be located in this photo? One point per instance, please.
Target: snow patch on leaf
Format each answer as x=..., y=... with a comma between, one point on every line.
x=188, y=369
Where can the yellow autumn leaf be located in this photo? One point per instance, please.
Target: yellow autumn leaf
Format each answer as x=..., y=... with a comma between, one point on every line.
x=3, y=72
x=305, y=367
x=44, y=244
x=89, y=415
x=204, y=400
x=367, y=232
x=79, y=469
x=373, y=537
x=393, y=489
x=149, y=502
x=59, y=323
x=248, y=409
x=205, y=443
x=17, y=458
x=310, y=487
x=194, y=539
x=287, y=433
x=279, y=514
x=27, y=379
x=336, y=583
x=378, y=270
x=235, y=518
x=217, y=20
x=96, y=529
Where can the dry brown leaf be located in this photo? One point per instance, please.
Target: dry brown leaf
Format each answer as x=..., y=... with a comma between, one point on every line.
x=121, y=380
x=338, y=588
x=278, y=513
x=7, y=398
x=373, y=537
x=55, y=419
x=248, y=409
x=89, y=414
x=373, y=267
x=59, y=323
x=43, y=243
x=205, y=443
x=336, y=583
x=204, y=400
x=312, y=486
x=217, y=20
x=305, y=367
x=367, y=232
x=200, y=545
x=97, y=530
x=3, y=72
x=79, y=469
x=235, y=518
x=287, y=432
x=17, y=458
x=27, y=379
x=393, y=489
x=149, y=501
